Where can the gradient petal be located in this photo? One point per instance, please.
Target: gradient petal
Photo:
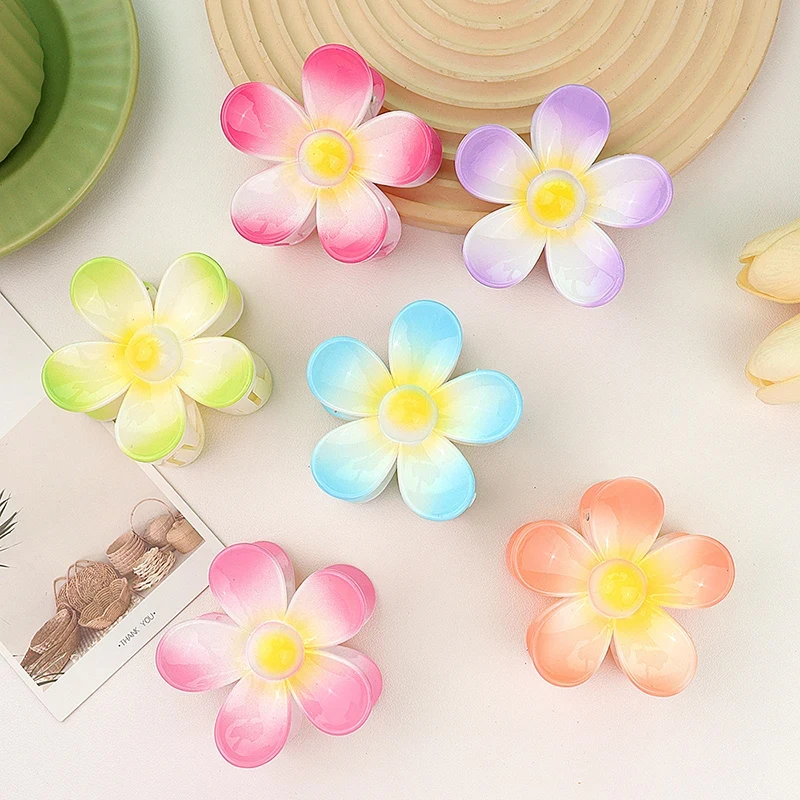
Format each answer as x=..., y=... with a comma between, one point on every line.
x=568, y=642
x=436, y=481
x=424, y=345
x=262, y=121
x=337, y=87
x=570, y=128
x=584, y=264
x=328, y=608
x=550, y=558
x=86, y=376
x=279, y=554
x=688, y=571
x=274, y=206
x=254, y=722
x=777, y=358
x=396, y=149
x=111, y=297
x=493, y=163
x=623, y=518
x=355, y=461
x=503, y=247
x=378, y=94
x=394, y=228
x=334, y=692
x=249, y=583
x=365, y=664
x=480, y=407
x=216, y=371
x=347, y=377
x=202, y=654
x=627, y=191
x=654, y=651
x=351, y=221
x=151, y=420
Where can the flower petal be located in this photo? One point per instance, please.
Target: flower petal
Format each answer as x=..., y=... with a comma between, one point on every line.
x=279, y=554
x=202, y=654
x=654, y=651
x=494, y=164
x=623, y=518
x=627, y=191
x=436, y=481
x=262, y=121
x=274, y=206
x=569, y=641
x=254, y=722
x=365, y=664
x=249, y=583
x=333, y=692
x=216, y=371
x=328, y=608
x=424, y=345
x=777, y=358
x=503, y=247
x=347, y=377
x=755, y=247
x=192, y=295
x=351, y=221
x=688, y=571
x=550, y=558
x=779, y=393
x=337, y=87
x=355, y=461
x=570, y=128
x=584, y=264
x=480, y=407
x=151, y=420
x=86, y=376
x=378, y=94
x=111, y=297
x=394, y=227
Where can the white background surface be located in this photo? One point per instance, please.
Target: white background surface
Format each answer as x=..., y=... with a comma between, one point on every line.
x=651, y=385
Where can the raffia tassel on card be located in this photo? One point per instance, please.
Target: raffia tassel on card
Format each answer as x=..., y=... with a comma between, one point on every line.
x=182, y=536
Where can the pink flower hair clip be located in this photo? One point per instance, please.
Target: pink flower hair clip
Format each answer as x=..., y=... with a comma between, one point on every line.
x=277, y=645
x=325, y=159
x=554, y=198
x=615, y=581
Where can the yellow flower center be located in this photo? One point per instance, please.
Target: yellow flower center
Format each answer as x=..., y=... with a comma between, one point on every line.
x=408, y=414
x=325, y=157
x=275, y=651
x=617, y=588
x=154, y=353
x=556, y=198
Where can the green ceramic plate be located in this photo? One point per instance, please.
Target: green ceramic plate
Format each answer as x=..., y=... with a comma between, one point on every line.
x=91, y=64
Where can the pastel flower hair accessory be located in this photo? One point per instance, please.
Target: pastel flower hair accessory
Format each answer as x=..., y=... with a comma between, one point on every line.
x=325, y=159
x=282, y=649
x=615, y=581
x=406, y=418
x=556, y=197
x=165, y=355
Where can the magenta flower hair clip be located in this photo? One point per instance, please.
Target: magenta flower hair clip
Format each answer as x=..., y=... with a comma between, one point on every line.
x=555, y=196
x=325, y=159
x=615, y=581
x=282, y=648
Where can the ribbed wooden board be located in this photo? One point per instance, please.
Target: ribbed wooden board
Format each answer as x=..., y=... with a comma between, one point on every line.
x=672, y=71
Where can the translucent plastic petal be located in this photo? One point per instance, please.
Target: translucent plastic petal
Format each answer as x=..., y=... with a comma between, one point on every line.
x=110, y=296
x=777, y=358
x=86, y=376
x=355, y=461
x=424, y=345
x=378, y=94
x=151, y=420
x=569, y=641
x=279, y=554
x=192, y=295
x=249, y=583
x=570, y=128
x=262, y=121
x=654, y=651
x=394, y=227
x=550, y=558
x=480, y=407
x=254, y=722
x=365, y=664
x=347, y=377
x=493, y=163
x=779, y=393
x=216, y=371
x=584, y=264
x=202, y=654
x=436, y=481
